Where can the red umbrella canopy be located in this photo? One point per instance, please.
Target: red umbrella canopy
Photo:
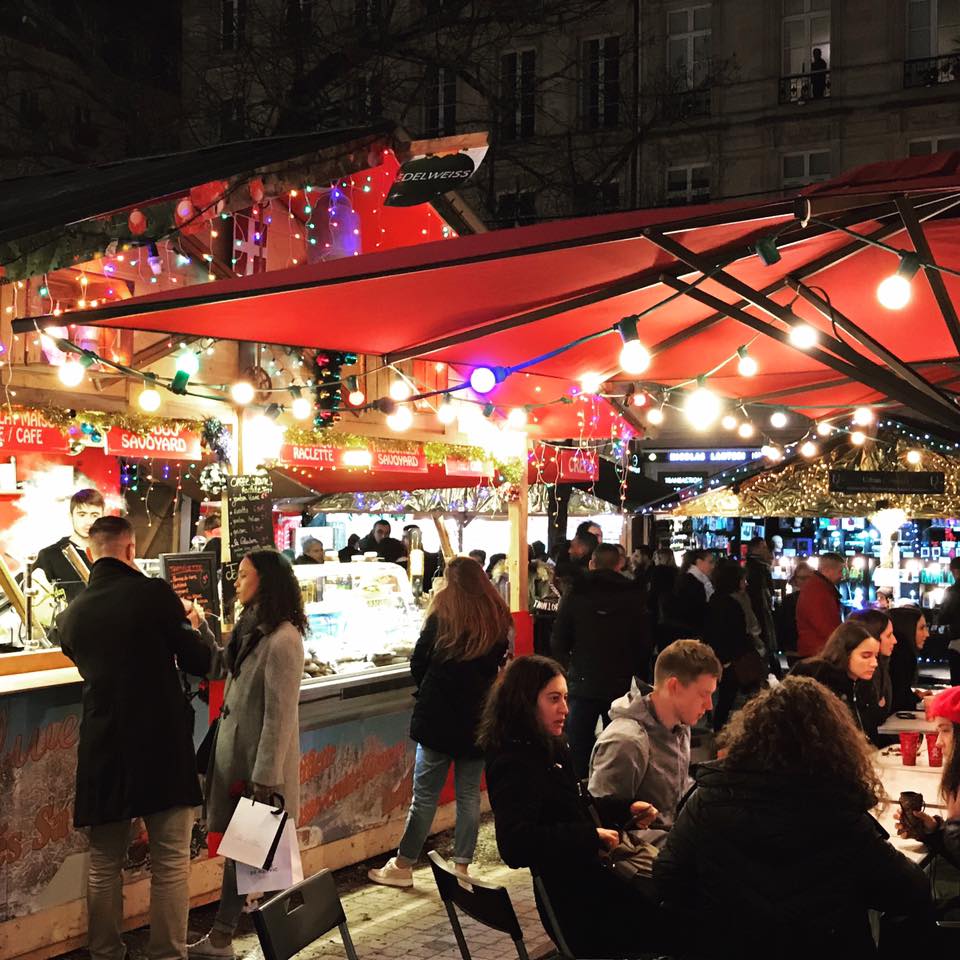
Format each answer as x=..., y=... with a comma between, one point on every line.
x=545, y=299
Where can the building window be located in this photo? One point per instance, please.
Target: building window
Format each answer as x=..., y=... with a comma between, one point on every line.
x=928, y=145
x=601, y=82
x=518, y=94
x=594, y=198
x=689, y=183
x=800, y=169
x=688, y=47
x=231, y=121
x=933, y=42
x=516, y=209
x=233, y=22
x=440, y=108
x=806, y=28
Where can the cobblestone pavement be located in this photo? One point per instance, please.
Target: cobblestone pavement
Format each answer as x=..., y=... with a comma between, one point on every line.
x=387, y=923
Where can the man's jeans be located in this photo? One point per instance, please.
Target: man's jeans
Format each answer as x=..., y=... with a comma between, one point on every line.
x=169, y=832
x=581, y=729
x=429, y=776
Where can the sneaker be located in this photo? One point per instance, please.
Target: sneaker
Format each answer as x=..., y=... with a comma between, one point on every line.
x=203, y=949
x=391, y=875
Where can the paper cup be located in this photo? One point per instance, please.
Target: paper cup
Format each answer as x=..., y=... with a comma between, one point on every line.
x=909, y=742
x=934, y=753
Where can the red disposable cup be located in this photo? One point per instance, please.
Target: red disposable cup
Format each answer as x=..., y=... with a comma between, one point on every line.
x=934, y=753
x=909, y=742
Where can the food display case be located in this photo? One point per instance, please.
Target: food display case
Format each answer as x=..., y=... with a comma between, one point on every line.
x=362, y=618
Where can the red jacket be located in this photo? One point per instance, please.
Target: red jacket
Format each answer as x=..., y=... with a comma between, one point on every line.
x=818, y=614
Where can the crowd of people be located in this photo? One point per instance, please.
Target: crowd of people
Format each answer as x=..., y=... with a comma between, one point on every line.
x=769, y=850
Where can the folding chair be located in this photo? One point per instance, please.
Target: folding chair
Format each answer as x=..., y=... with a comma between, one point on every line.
x=549, y=920
x=487, y=903
x=300, y=915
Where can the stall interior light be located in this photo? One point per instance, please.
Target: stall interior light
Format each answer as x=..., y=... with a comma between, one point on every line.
x=894, y=292
x=634, y=356
x=778, y=419
x=803, y=336
x=746, y=365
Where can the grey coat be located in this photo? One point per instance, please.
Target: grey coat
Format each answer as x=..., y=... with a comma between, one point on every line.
x=258, y=740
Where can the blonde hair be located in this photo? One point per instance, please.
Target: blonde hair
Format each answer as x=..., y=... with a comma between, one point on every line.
x=470, y=614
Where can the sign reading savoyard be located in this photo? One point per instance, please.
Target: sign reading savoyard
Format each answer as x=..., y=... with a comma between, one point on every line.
x=29, y=431
x=161, y=443
x=381, y=461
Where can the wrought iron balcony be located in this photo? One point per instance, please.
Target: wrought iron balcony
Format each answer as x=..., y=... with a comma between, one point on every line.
x=930, y=71
x=804, y=87
x=687, y=104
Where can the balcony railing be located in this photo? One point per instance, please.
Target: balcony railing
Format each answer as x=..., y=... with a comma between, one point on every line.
x=687, y=104
x=804, y=87
x=930, y=71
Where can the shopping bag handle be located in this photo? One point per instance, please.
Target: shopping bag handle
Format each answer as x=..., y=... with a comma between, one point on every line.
x=274, y=798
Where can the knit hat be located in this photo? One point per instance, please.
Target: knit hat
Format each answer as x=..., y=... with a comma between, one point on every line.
x=946, y=704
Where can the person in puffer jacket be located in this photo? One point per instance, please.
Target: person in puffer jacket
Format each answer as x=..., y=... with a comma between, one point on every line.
x=645, y=750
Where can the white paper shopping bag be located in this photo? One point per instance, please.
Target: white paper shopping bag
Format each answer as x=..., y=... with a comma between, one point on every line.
x=285, y=871
x=253, y=833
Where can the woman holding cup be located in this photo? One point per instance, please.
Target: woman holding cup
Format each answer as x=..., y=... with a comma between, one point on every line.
x=939, y=834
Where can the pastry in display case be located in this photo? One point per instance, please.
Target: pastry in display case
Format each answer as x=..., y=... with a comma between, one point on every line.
x=361, y=616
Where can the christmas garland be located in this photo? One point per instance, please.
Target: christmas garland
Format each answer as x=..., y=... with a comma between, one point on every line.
x=137, y=423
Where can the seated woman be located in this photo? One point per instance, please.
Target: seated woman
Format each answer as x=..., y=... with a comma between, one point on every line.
x=942, y=836
x=543, y=823
x=881, y=629
x=846, y=667
x=910, y=628
x=775, y=853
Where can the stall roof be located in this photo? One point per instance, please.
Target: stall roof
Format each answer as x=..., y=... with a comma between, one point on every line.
x=693, y=276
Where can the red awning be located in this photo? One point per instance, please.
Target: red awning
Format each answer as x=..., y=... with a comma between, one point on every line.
x=461, y=300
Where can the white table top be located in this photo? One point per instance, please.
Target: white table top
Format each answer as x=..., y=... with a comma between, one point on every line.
x=896, y=779
x=919, y=723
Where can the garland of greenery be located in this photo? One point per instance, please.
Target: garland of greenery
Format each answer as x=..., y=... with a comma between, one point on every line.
x=136, y=423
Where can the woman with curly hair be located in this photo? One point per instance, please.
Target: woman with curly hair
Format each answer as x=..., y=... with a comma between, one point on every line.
x=462, y=645
x=775, y=853
x=257, y=747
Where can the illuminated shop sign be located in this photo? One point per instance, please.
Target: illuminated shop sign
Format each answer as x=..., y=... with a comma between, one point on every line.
x=712, y=456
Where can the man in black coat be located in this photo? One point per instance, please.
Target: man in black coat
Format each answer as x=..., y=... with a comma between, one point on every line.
x=760, y=592
x=687, y=608
x=379, y=541
x=128, y=635
x=600, y=636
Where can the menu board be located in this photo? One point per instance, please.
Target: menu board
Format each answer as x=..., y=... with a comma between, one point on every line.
x=249, y=513
x=193, y=576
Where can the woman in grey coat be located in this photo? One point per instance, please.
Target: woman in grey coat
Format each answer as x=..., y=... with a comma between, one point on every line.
x=257, y=749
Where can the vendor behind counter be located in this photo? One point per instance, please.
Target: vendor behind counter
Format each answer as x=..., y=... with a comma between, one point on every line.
x=86, y=506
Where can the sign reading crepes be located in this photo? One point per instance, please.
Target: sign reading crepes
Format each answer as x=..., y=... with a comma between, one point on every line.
x=400, y=461
x=578, y=465
x=161, y=443
x=28, y=430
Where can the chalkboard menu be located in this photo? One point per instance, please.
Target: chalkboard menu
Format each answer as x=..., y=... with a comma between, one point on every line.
x=249, y=513
x=193, y=576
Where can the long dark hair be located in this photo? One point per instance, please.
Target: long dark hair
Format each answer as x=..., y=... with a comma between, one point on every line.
x=842, y=642
x=728, y=577
x=278, y=596
x=874, y=620
x=800, y=727
x=905, y=620
x=510, y=712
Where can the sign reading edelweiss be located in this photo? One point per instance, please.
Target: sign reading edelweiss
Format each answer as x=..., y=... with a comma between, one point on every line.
x=28, y=430
x=422, y=178
x=163, y=443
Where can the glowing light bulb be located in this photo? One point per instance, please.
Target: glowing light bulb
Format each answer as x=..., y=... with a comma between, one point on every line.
x=747, y=366
x=914, y=457
x=778, y=419
x=517, y=418
x=301, y=408
x=894, y=292
x=808, y=449
x=149, y=400
x=858, y=438
x=803, y=336
x=702, y=408
x=729, y=422
x=356, y=397
x=482, y=380
x=639, y=399
x=772, y=453
x=242, y=392
x=746, y=430
x=591, y=383
x=863, y=416
x=400, y=390
x=400, y=420
x=71, y=373
x=824, y=428
x=446, y=413
x=188, y=363
x=634, y=357
x=655, y=416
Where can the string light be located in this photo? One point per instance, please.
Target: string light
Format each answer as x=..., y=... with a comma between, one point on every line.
x=808, y=449
x=824, y=428
x=655, y=416
x=71, y=373
x=895, y=292
x=702, y=408
x=482, y=380
x=301, y=408
x=863, y=416
x=778, y=419
x=446, y=413
x=746, y=366
x=746, y=430
x=400, y=390
x=772, y=453
x=517, y=418
x=858, y=438
x=189, y=363
x=149, y=400
x=803, y=336
x=401, y=419
x=729, y=422
x=914, y=457
x=591, y=383
x=242, y=392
